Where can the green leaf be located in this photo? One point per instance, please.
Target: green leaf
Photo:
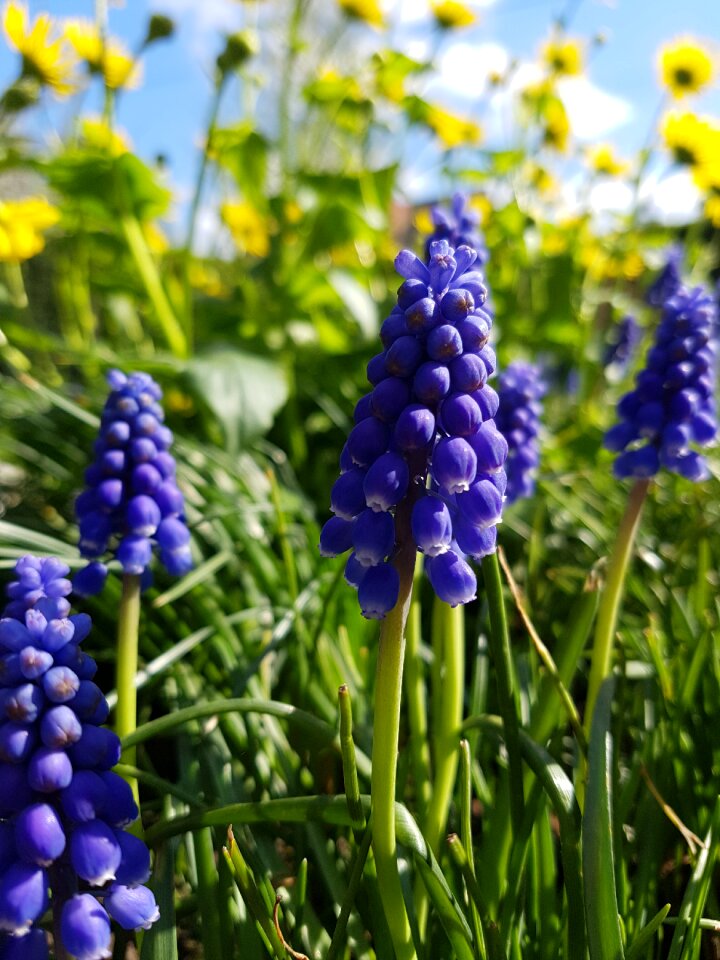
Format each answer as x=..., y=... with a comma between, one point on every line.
x=357, y=299
x=160, y=942
x=243, y=391
x=244, y=152
x=644, y=936
x=603, y=923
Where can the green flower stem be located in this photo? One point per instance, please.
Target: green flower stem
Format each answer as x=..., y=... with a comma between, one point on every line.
x=449, y=648
x=388, y=693
x=499, y=641
x=417, y=707
x=127, y=659
x=146, y=267
x=349, y=763
x=601, y=661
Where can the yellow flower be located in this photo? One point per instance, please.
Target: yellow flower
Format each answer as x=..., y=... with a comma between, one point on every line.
x=685, y=67
x=563, y=57
x=423, y=222
x=452, y=130
x=451, y=13
x=155, y=238
x=712, y=209
x=21, y=226
x=482, y=205
x=692, y=140
x=103, y=55
x=43, y=59
x=249, y=228
x=540, y=179
x=207, y=280
x=556, y=126
x=367, y=10
x=98, y=134
x=602, y=160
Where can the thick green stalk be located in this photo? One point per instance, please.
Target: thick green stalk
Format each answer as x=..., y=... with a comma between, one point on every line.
x=388, y=693
x=447, y=717
x=499, y=641
x=612, y=595
x=127, y=660
x=146, y=267
x=417, y=708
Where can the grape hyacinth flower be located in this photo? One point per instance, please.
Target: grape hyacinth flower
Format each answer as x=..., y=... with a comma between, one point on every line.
x=459, y=226
x=521, y=388
x=131, y=502
x=668, y=281
x=429, y=416
x=672, y=405
x=63, y=812
x=624, y=341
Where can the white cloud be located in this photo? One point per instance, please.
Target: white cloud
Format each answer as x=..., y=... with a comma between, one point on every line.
x=592, y=112
x=411, y=12
x=463, y=69
x=200, y=18
x=673, y=199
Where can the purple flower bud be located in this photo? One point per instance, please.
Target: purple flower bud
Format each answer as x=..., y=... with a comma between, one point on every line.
x=367, y=440
x=477, y=542
x=89, y=703
x=467, y=373
x=132, y=907
x=454, y=464
x=34, y=663
x=422, y=316
x=389, y=398
x=404, y=357
x=169, y=499
x=14, y=635
x=59, y=727
x=31, y=946
x=94, y=852
x=23, y=897
x=172, y=534
x=386, y=482
x=22, y=704
x=134, y=554
x=373, y=537
x=410, y=292
x=432, y=526
x=49, y=770
x=60, y=684
x=457, y=304
x=392, y=327
x=89, y=581
x=335, y=537
x=376, y=369
x=378, y=590
x=431, y=382
x=85, y=928
x=347, y=498
x=460, y=415
x=97, y=749
x=143, y=516
x=452, y=578
x=481, y=504
x=363, y=408
x=354, y=571
x=112, y=463
x=444, y=343
x=134, y=861
x=85, y=797
x=415, y=428
x=410, y=266
x=120, y=807
x=39, y=835
x=143, y=450
x=110, y=494
x=490, y=448
x=146, y=478
x=16, y=742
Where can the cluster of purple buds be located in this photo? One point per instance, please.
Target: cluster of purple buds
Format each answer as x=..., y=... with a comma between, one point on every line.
x=131, y=500
x=668, y=281
x=459, y=226
x=673, y=403
x=429, y=417
x=63, y=812
x=625, y=339
x=521, y=388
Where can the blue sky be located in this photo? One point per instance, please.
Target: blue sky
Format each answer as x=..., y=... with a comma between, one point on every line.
x=166, y=115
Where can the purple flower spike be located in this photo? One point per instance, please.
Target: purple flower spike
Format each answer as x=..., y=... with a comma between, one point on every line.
x=425, y=435
x=131, y=485
x=672, y=405
x=60, y=803
x=518, y=420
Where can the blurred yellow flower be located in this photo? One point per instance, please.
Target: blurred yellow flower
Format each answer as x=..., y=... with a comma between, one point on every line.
x=423, y=222
x=712, y=210
x=452, y=130
x=367, y=10
x=540, y=178
x=207, y=280
x=451, y=13
x=604, y=264
x=43, y=59
x=249, y=228
x=482, y=205
x=21, y=227
x=692, y=140
x=563, y=57
x=553, y=242
x=603, y=160
x=685, y=67
x=156, y=240
x=106, y=56
x=556, y=126
x=97, y=133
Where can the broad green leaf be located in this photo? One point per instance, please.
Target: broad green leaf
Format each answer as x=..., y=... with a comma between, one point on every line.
x=243, y=391
x=160, y=941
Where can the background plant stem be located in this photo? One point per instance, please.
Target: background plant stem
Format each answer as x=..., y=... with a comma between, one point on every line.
x=127, y=659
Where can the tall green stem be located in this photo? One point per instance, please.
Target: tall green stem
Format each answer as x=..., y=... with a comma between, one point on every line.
x=127, y=660
x=499, y=641
x=612, y=595
x=388, y=693
x=417, y=708
x=449, y=645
